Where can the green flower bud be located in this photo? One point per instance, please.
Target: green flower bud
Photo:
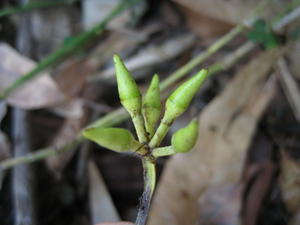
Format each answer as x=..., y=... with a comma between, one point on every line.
x=129, y=92
x=116, y=139
x=176, y=104
x=181, y=98
x=185, y=138
x=151, y=105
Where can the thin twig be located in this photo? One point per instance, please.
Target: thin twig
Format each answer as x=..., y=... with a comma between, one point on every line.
x=149, y=186
x=290, y=87
x=34, y=5
x=38, y=155
x=182, y=71
x=287, y=19
x=22, y=174
x=231, y=59
x=70, y=47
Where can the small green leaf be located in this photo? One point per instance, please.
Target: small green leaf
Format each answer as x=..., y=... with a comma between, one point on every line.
x=116, y=139
x=181, y=98
x=185, y=138
x=129, y=92
x=151, y=105
x=262, y=34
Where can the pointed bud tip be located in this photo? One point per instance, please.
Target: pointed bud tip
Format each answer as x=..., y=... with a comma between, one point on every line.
x=203, y=71
x=116, y=58
x=155, y=78
x=154, y=82
x=201, y=75
x=181, y=98
x=129, y=92
x=151, y=105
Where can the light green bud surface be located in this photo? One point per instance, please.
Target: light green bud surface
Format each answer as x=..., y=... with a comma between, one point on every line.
x=116, y=139
x=181, y=98
x=151, y=107
x=185, y=138
x=129, y=92
x=176, y=104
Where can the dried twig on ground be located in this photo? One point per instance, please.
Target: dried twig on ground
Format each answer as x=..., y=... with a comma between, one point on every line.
x=22, y=174
x=290, y=87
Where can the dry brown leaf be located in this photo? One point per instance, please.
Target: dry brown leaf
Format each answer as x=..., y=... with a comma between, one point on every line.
x=206, y=27
x=101, y=205
x=258, y=176
x=290, y=183
x=72, y=76
x=232, y=12
x=68, y=133
x=40, y=92
x=220, y=205
x=227, y=126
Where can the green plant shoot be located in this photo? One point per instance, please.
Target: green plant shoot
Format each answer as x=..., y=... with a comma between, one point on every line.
x=176, y=104
x=152, y=106
x=145, y=113
x=130, y=97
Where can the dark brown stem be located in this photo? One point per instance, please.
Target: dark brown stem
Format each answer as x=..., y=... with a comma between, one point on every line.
x=149, y=185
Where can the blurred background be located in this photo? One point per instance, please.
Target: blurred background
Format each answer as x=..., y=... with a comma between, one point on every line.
x=57, y=77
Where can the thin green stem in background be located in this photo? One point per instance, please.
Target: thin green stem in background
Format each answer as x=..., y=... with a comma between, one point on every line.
x=39, y=155
x=181, y=72
x=113, y=118
x=34, y=5
x=70, y=47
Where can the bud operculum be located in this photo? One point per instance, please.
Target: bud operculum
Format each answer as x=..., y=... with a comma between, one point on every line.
x=181, y=98
x=177, y=103
x=129, y=92
x=130, y=97
x=185, y=138
x=152, y=106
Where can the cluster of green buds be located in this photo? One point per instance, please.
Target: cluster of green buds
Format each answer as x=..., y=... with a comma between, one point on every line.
x=145, y=113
